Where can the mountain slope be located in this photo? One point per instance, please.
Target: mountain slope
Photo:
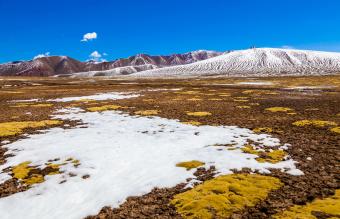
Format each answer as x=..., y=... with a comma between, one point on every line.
x=256, y=62
x=58, y=65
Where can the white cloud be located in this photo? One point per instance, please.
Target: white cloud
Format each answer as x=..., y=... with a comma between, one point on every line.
x=89, y=36
x=41, y=55
x=96, y=56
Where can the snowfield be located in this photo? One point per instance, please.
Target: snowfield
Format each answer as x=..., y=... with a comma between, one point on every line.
x=100, y=96
x=124, y=156
x=256, y=62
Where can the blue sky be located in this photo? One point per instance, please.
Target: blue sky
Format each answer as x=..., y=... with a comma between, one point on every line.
x=125, y=28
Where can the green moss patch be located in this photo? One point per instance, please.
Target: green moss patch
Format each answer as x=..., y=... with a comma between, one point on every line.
x=329, y=206
x=224, y=195
x=190, y=164
x=316, y=123
x=14, y=128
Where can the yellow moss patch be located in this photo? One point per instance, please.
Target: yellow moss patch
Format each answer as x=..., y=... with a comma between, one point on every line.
x=13, y=128
x=42, y=105
x=291, y=113
x=215, y=99
x=190, y=164
x=249, y=150
x=187, y=92
x=243, y=107
x=18, y=105
x=103, y=108
x=336, y=129
x=273, y=156
x=192, y=123
x=272, y=93
x=254, y=104
x=263, y=130
x=199, y=114
x=240, y=100
x=194, y=99
x=279, y=109
x=224, y=195
x=316, y=123
x=55, y=168
x=21, y=170
x=329, y=205
x=34, y=179
x=248, y=91
x=148, y=100
x=84, y=100
x=147, y=112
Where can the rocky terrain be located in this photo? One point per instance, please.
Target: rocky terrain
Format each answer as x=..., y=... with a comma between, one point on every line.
x=60, y=65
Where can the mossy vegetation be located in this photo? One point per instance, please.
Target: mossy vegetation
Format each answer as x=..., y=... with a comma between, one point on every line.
x=103, y=108
x=18, y=105
x=215, y=99
x=188, y=92
x=192, y=123
x=272, y=156
x=194, y=99
x=190, y=164
x=147, y=112
x=336, y=130
x=279, y=109
x=240, y=100
x=199, y=114
x=316, y=123
x=224, y=195
x=263, y=130
x=330, y=206
x=14, y=128
x=243, y=107
x=21, y=172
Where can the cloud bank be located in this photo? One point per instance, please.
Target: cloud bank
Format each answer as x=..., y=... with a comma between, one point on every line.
x=42, y=55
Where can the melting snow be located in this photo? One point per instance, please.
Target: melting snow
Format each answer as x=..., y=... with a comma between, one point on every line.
x=101, y=96
x=124, y=156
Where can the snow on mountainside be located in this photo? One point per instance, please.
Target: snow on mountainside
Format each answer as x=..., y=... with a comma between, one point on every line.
x=256, y=62
x=112, y=72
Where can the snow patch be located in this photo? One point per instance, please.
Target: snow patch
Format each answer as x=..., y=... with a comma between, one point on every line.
x=124, y=156
x=101, y=96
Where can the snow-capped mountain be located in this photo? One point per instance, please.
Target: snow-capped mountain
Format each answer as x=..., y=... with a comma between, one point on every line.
x=59, y=65
x=256, y=62
x=119, y=71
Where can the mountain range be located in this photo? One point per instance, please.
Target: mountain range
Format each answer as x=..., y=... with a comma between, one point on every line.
x=60, y=65
x=256, y=62
x=249, y=62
